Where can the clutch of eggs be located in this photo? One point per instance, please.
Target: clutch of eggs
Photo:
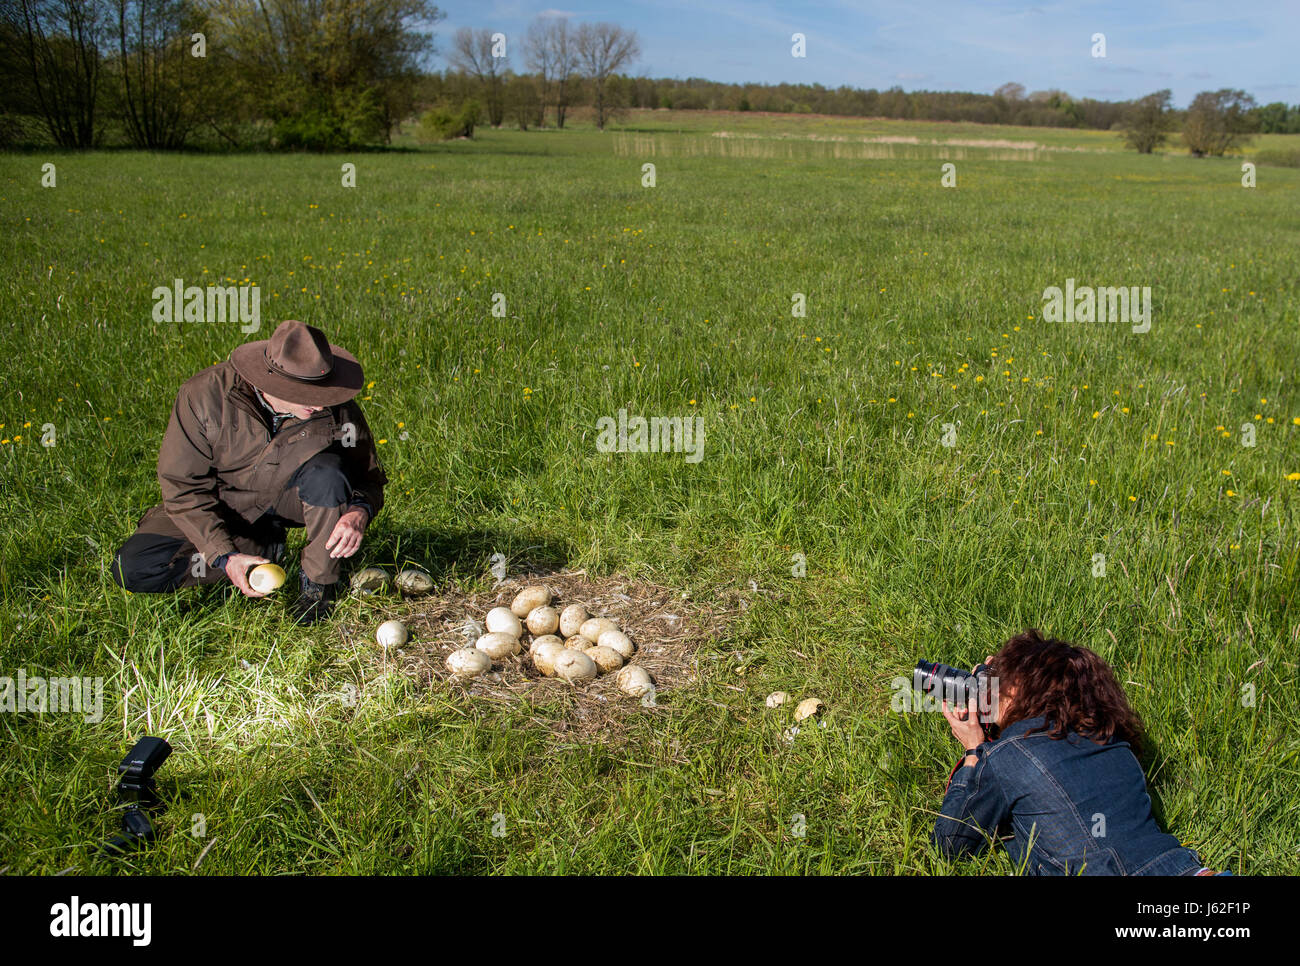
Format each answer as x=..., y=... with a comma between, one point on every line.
x=567, y=643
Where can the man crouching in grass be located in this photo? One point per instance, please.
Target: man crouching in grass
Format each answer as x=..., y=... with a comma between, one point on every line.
x=269, y=439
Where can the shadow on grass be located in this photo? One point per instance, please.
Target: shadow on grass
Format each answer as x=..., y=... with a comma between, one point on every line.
x=446, y=554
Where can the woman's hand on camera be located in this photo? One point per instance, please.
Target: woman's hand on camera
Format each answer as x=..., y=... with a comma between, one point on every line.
x=965, y=723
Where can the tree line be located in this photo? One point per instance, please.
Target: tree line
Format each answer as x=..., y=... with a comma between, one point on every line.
x=332, y=74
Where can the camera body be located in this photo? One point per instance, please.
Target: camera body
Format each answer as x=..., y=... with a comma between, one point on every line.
x=941, y=682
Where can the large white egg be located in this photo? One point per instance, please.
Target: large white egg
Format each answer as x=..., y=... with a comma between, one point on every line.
x=529, y=599
x=572, y=618
x=545, y=639
x=544, y=655
x=468, y=662
x=369, y=581
x=634, y=680
x=618, y=641
x=574, y=666
x=497, y=645
x=501, y=620
x=607, y=659
x=413, y=582
x=593, y=627
x=391, y=634
x=543, y=620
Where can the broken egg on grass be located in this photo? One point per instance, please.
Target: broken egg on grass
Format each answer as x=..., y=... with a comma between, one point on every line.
x=391, y=634
x=501, y=620
x=777, y=698
x=807, y=708
x=468, y=662
x=529, y=599
x=266, y=577
x=497, y=645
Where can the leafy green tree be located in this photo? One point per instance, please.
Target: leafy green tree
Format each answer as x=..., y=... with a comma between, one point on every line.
x=1147, y=122
x=347, y=68
x=1218, y=121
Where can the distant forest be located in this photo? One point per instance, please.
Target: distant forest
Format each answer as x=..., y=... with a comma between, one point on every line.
x=1010, y=104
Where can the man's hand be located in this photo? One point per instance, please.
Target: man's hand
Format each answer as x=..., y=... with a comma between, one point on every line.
x=345, y=540
x=237, y=567
x=965, y=724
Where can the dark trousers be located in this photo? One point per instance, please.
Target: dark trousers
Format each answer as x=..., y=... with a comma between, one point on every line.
x=159, y=557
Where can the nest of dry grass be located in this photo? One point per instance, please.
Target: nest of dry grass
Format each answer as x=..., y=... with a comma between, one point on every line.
x=666, y=630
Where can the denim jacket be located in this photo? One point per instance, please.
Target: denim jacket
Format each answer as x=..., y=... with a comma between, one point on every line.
x=1074, y=807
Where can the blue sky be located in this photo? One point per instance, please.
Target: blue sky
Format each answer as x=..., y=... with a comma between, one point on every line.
x=1186, y=46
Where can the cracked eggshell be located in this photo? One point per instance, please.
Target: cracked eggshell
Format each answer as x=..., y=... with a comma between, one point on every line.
x=574, y=666
x=593, y=627
x=572, y=619
x=807, y=708
x=618, y=641
x=502, y=620
x=543, y=621
x=391, y=634
x=607, y=659
x=468, y=662
x=544, y=653
x=634, y=680
x=777, y=698
x=497, y=645
x=529, y=599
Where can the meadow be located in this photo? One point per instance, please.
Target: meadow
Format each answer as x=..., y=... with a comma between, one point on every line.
x=1100, y=485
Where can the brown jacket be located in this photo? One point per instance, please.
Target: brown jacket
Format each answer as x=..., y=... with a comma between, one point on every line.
x=218, y=449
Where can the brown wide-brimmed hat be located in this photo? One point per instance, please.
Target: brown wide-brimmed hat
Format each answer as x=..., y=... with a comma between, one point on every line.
x=298, y=364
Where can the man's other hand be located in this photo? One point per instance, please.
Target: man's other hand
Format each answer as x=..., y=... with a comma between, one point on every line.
x=345, y=540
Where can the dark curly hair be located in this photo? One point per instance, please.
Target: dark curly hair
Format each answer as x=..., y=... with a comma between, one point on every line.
x=1070, y=687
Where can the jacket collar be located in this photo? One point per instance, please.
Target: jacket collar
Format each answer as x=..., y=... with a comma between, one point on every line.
x=1021, y=727
x=246, y=396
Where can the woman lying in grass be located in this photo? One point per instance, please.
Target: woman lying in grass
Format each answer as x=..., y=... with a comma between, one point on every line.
x=1061, y=777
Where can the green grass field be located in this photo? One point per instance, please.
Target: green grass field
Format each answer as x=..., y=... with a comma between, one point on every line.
x=825, y=437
